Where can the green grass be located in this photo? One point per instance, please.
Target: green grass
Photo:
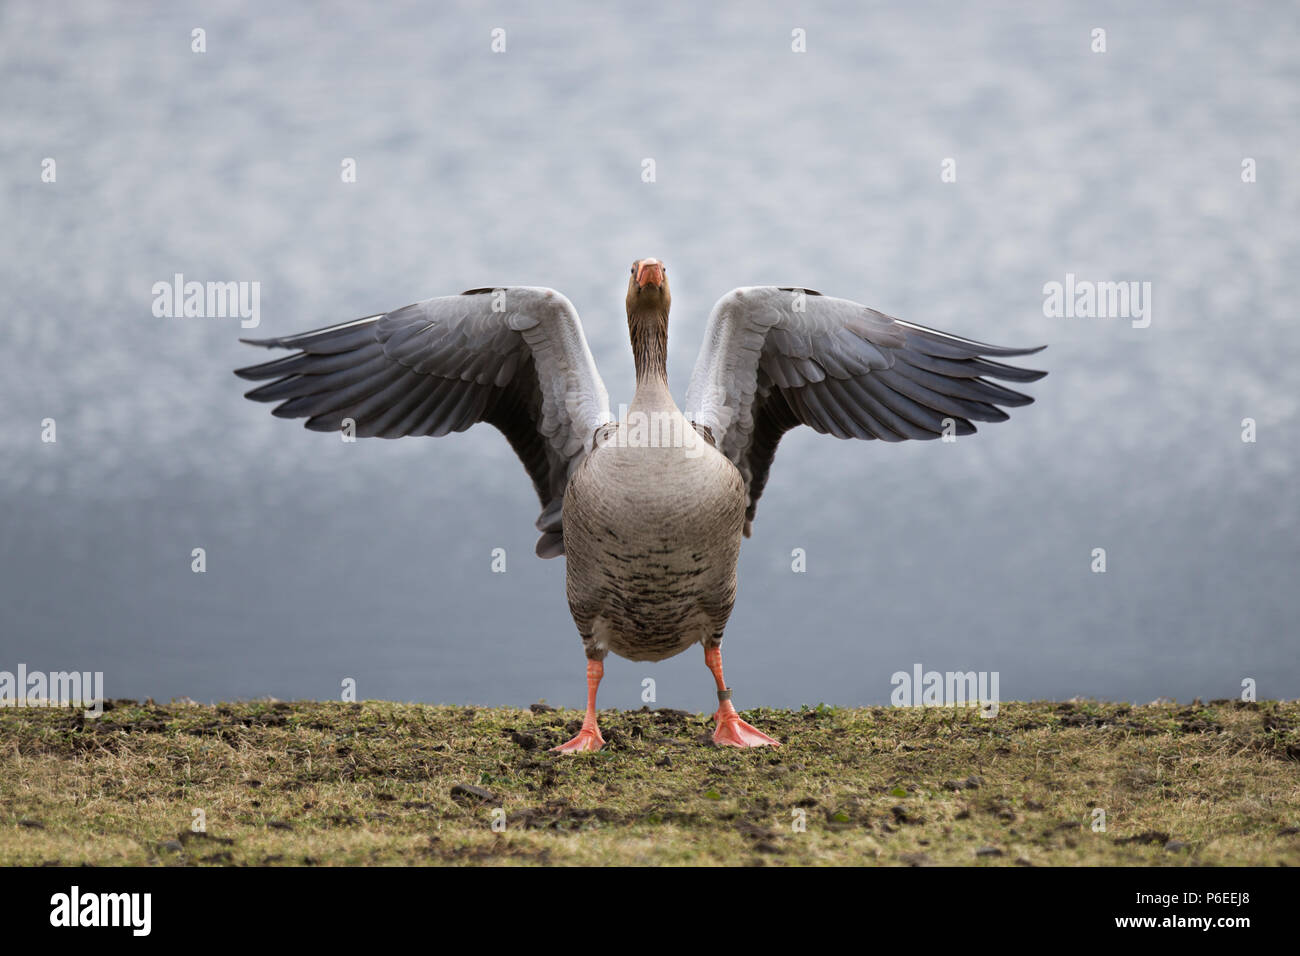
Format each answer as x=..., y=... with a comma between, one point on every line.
x=381, y=783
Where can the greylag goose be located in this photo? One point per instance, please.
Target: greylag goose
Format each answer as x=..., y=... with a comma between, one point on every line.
x=649, y=511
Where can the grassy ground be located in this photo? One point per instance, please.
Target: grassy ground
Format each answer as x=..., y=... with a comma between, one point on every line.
x=322, y=783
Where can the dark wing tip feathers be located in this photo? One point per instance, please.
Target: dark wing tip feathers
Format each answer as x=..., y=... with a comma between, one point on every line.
x=1013, y=373
x=333, y=340
x=933, y=376
x=343, y=370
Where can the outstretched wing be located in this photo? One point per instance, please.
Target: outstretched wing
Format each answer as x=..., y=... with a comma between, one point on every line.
x=513, y=357
x=774, y=358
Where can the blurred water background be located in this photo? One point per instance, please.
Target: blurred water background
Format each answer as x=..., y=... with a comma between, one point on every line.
x=372, y=560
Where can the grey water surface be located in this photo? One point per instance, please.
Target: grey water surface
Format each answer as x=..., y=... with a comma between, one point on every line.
x=372, y=560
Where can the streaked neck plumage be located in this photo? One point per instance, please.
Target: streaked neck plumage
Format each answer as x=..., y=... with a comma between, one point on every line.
x=648, y=328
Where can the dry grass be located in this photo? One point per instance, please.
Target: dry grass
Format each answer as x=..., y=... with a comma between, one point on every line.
x=374, y=783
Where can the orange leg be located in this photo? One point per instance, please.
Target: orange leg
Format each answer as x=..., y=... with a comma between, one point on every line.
x=730, y=729
x=589, y=737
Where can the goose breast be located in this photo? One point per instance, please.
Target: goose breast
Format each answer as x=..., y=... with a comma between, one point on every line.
x=651, y=535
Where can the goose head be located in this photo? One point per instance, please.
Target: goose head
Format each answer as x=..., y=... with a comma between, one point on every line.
x=647, y=290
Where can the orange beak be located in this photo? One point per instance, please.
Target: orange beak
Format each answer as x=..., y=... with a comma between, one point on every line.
x=649, y=271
